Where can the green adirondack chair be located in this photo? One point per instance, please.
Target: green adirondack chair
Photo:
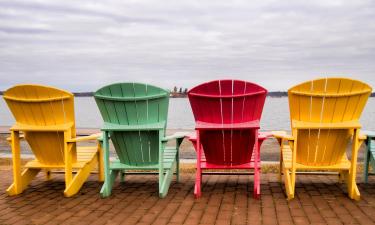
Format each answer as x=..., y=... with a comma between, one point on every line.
x=135, y=118
x=369, y=160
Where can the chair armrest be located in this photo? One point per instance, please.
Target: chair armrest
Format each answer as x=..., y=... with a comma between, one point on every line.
x=192, y=136
x=264, y=135
x=362, y=137
x=96, y=136
x=282, y=135
x=177, y=135
x=22, y=136
x=368, y=133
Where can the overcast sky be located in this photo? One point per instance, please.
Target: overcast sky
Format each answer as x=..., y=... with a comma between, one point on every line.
x=83, y=45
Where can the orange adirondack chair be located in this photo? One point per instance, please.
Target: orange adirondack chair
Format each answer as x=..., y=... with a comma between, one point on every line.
x=324, y=116
x=45, y=119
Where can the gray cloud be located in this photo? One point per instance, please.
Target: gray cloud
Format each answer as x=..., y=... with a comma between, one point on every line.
x=12, y=30
x=82, y=45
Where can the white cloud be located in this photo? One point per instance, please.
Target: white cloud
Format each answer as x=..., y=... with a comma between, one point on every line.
x=82, y=45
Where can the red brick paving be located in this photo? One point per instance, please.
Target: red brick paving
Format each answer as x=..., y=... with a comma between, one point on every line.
x=225, y=200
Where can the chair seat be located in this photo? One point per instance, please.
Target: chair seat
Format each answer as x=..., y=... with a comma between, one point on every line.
x=199, y=125
x=84, y=156
x=169, y=159
x=250, y=165
x=287, y=162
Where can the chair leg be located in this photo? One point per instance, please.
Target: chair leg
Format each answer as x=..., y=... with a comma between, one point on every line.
x=366, y=163
x=106, y=189
x=165, y=182
x=109, y=175
x=289, y=184
x=343, y=175
x=122, y=176
x=198, y=181
x=351, y=182
x=198, y=173
x=371, y=168
x=26, y=177
x=281, y=166
x=177, y=167
x=48, y=175
x=79, y=179
x=256, y=193
x=100, y=156
x=353, y=190
x=16, y=187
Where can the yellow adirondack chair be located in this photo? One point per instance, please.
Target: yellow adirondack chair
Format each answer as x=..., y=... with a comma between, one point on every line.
x=324, y=116
x=45, y=119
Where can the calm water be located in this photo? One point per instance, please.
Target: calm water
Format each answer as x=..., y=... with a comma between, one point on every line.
x=275, y=114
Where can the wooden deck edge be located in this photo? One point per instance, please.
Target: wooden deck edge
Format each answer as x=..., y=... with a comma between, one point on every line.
x=188, y=166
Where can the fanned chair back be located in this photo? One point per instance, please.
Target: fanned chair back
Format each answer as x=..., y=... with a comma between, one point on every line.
x=227, y=102
x=134, y=104
x=41, y=106
x=325, y=101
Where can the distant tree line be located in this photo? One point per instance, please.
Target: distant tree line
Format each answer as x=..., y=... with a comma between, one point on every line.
x=179, y=92
x=83, y=94
x=182, y=92
x=277, y=94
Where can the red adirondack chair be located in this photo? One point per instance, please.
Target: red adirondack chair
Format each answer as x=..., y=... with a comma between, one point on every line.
x=227, y=114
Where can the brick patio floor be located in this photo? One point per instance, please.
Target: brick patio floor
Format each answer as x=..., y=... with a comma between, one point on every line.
x=225, y=200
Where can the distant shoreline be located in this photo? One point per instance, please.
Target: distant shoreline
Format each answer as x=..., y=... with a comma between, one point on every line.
x=275, y=94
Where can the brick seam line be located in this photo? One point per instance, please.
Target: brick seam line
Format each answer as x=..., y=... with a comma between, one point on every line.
x=176, y=209
x=289, y=209
x=364, y=189
x=234, y=200
x=250, y=204
x=350, y=212
x=303, y=208
x=262, y=206
x=126, y=199
x=148, y=211
x=154, y=203
x=247, y=200
x=248, y=195
x=310, y=182
x=226, y=183
x=274, y=204
x=141, y=205
x=192, y=205
x=135, y=200
x=188, y=193
x=342, y=187
x=221, y=198
x=261, y=209
x=287, y=202
x=356, y=203
x=299, y=200
x=208, y=199
x=203, y=184
x=337, y=184
x=329, y=205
